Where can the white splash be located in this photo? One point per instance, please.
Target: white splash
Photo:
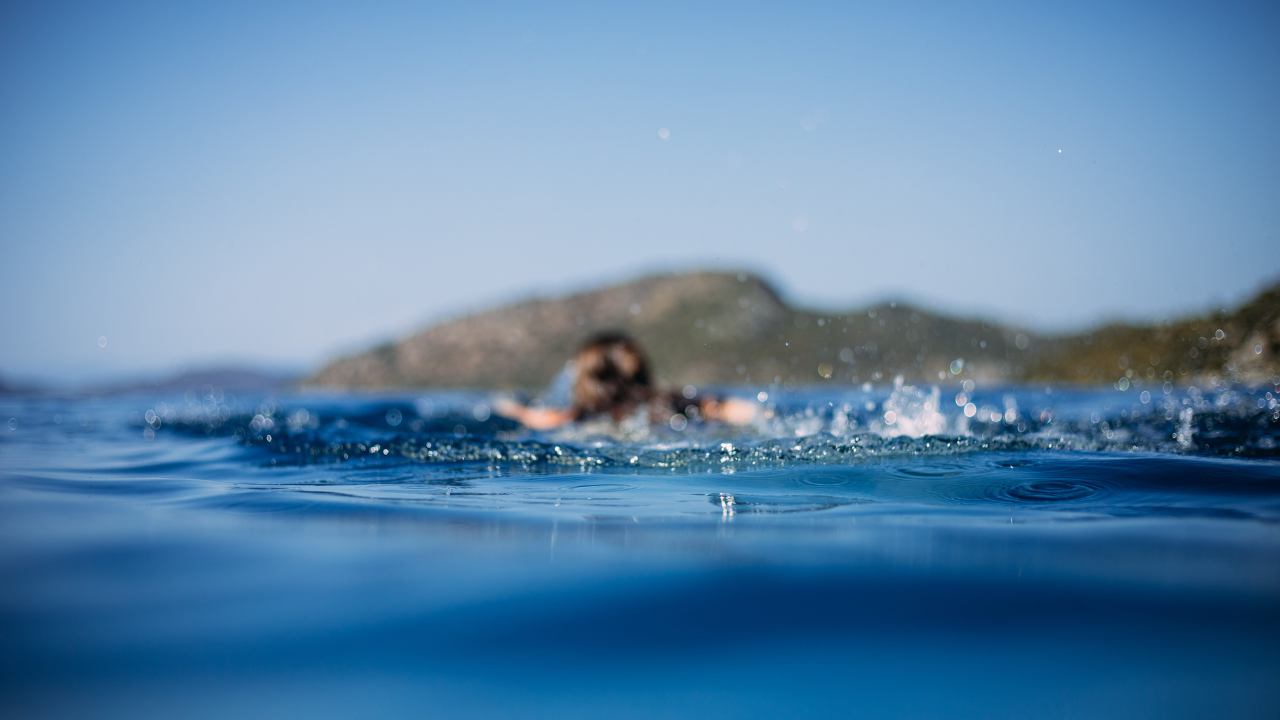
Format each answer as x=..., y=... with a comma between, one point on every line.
x=912, y=412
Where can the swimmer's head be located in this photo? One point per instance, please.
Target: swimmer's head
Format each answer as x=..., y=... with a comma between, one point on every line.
x=611, y=376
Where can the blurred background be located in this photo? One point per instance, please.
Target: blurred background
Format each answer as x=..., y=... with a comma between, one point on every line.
x=997, y=283
x=273, y=185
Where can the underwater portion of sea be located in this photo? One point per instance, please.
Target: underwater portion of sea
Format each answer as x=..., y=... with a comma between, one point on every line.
x=961, y=551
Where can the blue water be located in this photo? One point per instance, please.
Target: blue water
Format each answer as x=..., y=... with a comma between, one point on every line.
x=879, y=551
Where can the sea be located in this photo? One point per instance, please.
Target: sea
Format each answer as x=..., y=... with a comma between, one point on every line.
x=962, y=550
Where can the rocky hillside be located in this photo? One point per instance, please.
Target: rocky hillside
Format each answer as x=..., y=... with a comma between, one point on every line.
x=727, y=328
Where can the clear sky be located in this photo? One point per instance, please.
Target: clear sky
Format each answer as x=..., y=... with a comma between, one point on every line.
x=277, y=181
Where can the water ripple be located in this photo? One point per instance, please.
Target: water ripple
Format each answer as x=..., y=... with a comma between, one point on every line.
x=1051, y=491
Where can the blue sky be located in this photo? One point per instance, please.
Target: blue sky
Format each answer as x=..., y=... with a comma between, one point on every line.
x=276, y=182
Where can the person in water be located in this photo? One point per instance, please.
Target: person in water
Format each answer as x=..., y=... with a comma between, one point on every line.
x=612, y=381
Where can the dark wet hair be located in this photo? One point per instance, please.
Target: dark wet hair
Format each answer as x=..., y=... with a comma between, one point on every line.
x=612, y=377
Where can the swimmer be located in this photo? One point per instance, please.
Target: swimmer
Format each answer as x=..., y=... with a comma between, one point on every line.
x=611, y=380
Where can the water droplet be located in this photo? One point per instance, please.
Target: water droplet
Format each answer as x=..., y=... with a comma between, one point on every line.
x=727, y=503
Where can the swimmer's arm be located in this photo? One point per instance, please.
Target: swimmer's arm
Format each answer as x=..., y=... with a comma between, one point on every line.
x=734, y=411
x=533, y=418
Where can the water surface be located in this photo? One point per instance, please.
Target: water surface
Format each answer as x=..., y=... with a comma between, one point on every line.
x=1000, y=552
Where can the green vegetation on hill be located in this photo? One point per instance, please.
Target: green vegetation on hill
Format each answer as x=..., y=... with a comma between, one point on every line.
x=727, y=328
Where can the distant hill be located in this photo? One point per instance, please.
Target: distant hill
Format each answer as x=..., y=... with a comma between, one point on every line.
x=12, y=387
x=224, y=379
x=229, y=379
x=733, y=328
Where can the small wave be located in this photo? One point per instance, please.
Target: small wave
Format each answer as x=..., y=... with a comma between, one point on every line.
x=806, y=428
